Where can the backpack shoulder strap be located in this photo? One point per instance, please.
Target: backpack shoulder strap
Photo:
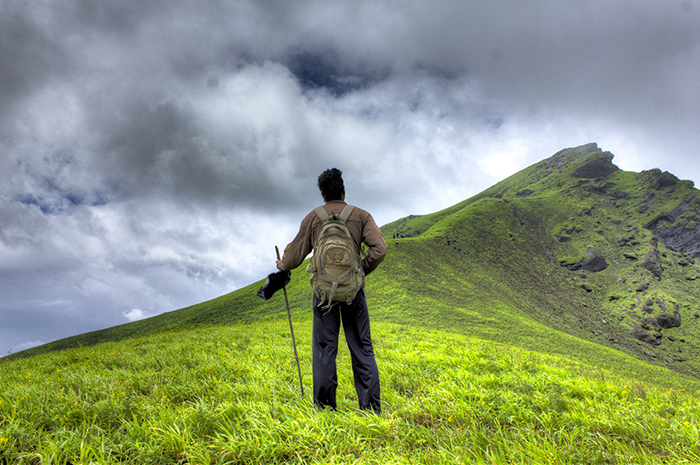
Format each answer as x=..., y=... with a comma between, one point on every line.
x=342, y=216
x=345, y=214
x=321, y=212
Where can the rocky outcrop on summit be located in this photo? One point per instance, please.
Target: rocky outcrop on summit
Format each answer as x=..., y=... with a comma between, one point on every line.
x=598, y=166
x=664, y=179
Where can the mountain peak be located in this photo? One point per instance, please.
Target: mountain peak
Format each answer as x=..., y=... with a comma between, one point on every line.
x=589, y=160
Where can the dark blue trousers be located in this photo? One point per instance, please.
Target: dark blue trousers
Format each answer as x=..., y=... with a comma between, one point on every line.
x=355, y=319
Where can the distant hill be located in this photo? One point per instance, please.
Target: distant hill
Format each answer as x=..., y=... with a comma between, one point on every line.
x=580, y=246
x=570, y=256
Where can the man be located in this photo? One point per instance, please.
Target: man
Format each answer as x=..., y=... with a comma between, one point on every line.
x=354, y=316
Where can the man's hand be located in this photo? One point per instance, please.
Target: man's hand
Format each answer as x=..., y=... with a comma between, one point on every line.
x=280, y=265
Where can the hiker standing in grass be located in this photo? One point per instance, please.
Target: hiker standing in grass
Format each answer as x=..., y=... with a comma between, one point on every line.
x=328, y=312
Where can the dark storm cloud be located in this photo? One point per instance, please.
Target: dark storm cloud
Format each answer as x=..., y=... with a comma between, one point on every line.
x=30, y=54
x=167, y=149
x=153, y=151
x=323, y=70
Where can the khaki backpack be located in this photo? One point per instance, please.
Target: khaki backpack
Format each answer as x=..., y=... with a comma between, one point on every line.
x=336, y=272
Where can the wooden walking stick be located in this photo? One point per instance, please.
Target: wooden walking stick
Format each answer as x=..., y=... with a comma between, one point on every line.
x=291, y=328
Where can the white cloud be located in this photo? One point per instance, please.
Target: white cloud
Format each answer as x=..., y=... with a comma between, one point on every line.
x=26, y=345
x=502, y=164
x=134, y=314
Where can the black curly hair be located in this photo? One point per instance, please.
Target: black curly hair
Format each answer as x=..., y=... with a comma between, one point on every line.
x=330, y=182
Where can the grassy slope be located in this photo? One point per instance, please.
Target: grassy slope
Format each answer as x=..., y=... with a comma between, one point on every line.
x=506, y=293
x=229, y=394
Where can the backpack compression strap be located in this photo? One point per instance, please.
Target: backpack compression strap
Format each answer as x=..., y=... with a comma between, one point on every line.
x=343, y=216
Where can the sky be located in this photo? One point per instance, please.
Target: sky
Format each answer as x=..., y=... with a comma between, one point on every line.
x=153, y=153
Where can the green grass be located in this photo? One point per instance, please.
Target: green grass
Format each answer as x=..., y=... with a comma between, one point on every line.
x=230, y=394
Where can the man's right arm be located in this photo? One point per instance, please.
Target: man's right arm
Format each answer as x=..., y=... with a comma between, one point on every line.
x=297, y=250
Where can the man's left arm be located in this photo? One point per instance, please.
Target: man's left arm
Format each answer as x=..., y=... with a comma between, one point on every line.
x=377, y=248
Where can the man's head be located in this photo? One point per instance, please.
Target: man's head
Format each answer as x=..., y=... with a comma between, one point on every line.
x=330, y=182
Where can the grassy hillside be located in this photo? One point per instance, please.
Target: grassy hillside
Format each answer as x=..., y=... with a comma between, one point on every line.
x=572, y=244
x=229, y=394
x=555, y=309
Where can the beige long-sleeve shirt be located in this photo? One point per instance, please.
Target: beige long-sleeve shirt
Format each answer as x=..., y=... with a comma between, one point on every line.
x=361, y=226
